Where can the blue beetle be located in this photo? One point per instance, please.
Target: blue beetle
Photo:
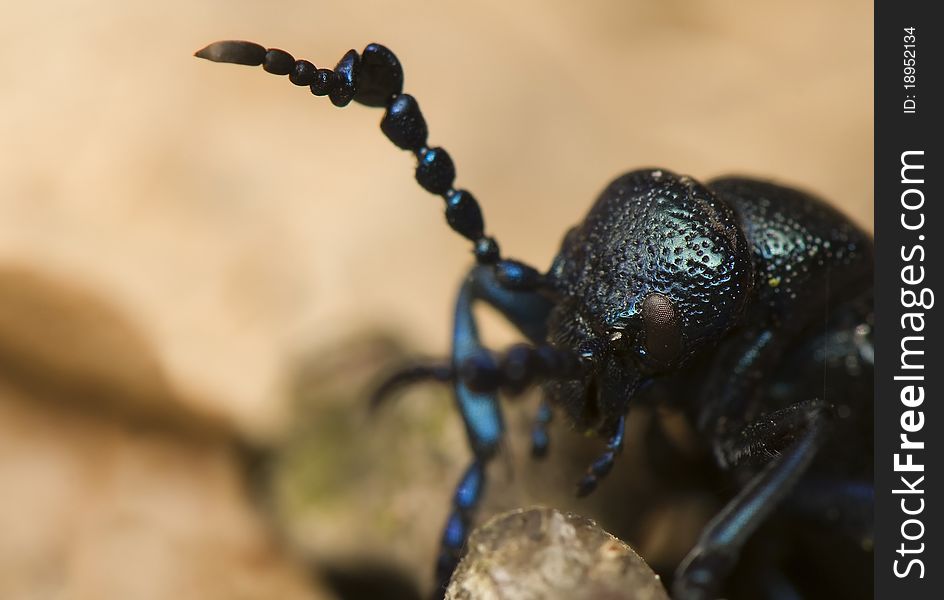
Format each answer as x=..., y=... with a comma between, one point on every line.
x=754, y=297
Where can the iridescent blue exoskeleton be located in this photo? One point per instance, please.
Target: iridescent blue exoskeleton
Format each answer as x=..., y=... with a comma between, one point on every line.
x=757, y=296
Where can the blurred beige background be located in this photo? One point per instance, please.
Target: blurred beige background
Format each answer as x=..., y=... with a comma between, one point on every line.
x=175, y=233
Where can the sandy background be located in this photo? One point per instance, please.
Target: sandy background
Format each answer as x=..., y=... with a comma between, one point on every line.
x=175, y=235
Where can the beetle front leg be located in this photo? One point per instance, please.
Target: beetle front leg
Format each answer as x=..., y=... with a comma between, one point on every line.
x=480, y=410
x=527, y=311
x=704, y=569
x=465, y=501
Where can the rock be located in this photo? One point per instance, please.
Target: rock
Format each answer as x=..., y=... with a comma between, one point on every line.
x=543, y=553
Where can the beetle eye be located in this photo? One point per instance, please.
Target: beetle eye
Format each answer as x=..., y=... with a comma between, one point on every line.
x=663, y=337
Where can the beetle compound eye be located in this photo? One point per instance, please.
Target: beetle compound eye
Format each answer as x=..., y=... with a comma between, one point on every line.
x=660, y=321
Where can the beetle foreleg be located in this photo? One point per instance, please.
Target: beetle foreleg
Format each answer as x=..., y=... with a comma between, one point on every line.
x=480, y=410
x=466, y=499
x=704, y=569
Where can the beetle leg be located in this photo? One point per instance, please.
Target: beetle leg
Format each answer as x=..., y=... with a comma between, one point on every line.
x=766, y=437
x=480, y=411
x=527, y=311
x=717, y=550
x=467, y=496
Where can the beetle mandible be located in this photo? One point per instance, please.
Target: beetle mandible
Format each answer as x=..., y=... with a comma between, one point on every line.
x=725, y=286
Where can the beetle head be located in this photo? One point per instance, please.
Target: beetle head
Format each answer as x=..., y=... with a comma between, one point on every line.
x=658, y=271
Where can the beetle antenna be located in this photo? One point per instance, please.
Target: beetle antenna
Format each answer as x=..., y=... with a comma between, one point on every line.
x=375, y=78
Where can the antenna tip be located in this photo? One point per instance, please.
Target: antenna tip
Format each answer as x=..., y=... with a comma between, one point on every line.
x=233, y=51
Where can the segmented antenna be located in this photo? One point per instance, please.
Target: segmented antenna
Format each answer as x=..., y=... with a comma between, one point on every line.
x=375, y=78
